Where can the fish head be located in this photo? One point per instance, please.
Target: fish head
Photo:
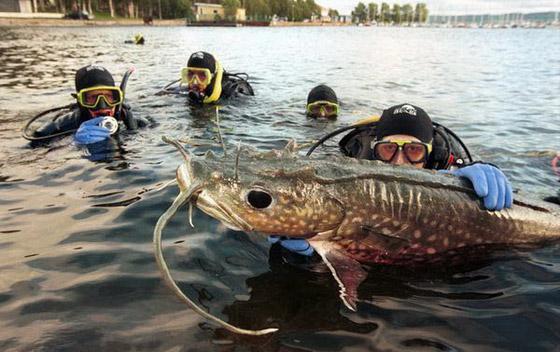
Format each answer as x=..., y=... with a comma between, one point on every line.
x=255, y=192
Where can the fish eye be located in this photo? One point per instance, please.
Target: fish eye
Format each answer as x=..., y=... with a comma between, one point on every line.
x=259, y=199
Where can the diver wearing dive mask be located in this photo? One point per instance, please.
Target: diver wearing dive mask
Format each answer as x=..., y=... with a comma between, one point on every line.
x=98, y=113
x=405, y=135
x=322, y=103
x=205, y=81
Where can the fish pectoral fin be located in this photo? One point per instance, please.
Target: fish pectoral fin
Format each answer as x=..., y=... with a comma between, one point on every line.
x=347, y=272
x=377, y=239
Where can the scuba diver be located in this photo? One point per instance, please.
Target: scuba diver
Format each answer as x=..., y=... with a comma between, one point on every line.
x=405, y=135
x=100, y=110
x=138, y=39
x=322, y=102
x=204, y=81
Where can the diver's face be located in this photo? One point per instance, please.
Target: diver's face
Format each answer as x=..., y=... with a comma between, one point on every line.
x=198, y=79
x=102, y=112
x=102, y=108
x=400, y=158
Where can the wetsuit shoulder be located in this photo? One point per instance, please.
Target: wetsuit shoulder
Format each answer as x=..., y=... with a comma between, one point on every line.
x=67, y=122
x=233, y=86
x=133, y=122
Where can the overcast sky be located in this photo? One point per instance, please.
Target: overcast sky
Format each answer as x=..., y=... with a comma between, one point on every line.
x=456, y=7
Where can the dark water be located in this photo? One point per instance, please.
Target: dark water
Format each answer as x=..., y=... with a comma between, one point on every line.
x=77, y=271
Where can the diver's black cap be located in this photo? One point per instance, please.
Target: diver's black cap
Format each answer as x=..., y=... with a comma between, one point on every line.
x=93, y=75
x=202, y=59
x=405, y=119
x=322, y=92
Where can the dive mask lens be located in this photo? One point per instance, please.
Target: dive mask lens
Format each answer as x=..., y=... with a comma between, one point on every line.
x=415, y=152
x=190, y=75
x=322, y=109
x=385, y=151
x=91, y=97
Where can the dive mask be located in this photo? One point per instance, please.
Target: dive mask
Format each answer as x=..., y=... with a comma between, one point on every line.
x=322, y=108
x=415, y=152
x=190, y=75
x=90, y=97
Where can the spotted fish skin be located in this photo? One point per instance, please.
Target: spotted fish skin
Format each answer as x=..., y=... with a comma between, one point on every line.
x=370, y=211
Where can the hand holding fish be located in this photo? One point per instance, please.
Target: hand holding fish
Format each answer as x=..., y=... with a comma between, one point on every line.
x=489, y=183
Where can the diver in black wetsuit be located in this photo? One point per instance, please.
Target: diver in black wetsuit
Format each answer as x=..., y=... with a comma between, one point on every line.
x=99, y=113
x=405, y=135
x=204, y=81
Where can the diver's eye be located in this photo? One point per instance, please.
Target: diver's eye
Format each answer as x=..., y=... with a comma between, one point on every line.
x=259, y=199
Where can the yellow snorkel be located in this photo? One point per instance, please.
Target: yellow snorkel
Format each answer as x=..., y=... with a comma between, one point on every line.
x=217, y=90
x=367, y=120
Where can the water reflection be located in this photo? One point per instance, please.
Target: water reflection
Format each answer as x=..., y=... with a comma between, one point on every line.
x=77, y=264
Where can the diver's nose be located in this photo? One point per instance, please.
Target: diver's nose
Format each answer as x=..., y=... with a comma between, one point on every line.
x=399, y=158
x=102, y=104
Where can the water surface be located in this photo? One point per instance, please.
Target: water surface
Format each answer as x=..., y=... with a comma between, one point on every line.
x=77, y=269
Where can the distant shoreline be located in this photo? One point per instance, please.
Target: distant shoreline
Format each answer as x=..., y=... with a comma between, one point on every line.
x=58, y=22
x=124, y=22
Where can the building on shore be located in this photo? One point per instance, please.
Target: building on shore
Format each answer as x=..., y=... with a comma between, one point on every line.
x=204, y=12
x=21, y=6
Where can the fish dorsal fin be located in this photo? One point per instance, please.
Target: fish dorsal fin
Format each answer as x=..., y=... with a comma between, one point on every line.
x=347, y=272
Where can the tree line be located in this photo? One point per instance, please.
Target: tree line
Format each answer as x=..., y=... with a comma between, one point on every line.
x=259, y=10
x=162, y=9
x=397, y=14
x=293, y=10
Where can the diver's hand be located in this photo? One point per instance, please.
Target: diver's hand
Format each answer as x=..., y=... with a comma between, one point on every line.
x=295, y=245
x=489, y=183
x=90, y=132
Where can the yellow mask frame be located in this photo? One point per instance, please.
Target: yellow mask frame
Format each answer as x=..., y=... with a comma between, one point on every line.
x=81, y=96
x=322, y=103
x=185, y=75
x=400, y=147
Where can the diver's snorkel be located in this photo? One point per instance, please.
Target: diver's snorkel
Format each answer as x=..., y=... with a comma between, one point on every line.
x=122, y=86
x=25, y=133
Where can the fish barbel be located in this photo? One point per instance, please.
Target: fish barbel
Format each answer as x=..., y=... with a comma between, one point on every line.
x=359, y=211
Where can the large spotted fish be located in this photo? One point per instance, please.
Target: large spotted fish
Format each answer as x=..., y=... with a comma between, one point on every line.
x=355, y=211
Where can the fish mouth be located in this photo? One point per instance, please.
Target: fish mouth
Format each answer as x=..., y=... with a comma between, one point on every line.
x=202, y=200
x=220, y=212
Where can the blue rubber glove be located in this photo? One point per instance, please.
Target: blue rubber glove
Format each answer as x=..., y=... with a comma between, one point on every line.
x=296, y=245
x=90, y=132
x=489, y=183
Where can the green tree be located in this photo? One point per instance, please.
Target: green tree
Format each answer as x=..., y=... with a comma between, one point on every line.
x=359, y=14
x=184, y=9
x=421, y=13
x=397, y=13
x=312, y=8
x=407, y=13
x=333, y=13
x=372, y=11
x=230, y=9
x=385, y=13
x=257, y=10
x=281, y=8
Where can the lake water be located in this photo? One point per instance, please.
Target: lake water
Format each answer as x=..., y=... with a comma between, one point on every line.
x=77, y=271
